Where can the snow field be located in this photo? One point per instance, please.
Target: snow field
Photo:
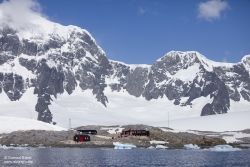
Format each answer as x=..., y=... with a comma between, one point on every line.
x=83, y=109
x=10, y=124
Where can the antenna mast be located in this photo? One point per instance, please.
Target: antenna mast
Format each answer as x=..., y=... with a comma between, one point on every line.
x=69, y=124
x=168, y=119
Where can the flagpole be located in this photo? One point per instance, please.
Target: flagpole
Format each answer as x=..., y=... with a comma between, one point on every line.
x=168, y=119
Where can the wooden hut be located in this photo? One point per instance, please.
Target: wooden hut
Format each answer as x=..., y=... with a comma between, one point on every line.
x=92, y=132
x=81, y=138
x=135, y=133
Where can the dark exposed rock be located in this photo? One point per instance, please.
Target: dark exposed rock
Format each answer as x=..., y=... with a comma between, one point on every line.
x=49, y=82
x=235, y=76
x=245, y=95
x=176, y=102
x=70, y=82
x=13, y=86
x=28, y=48
x=234, y=94
x=9, y=42
x=207, y=110
x=246, y=131
x=136, y=80
x=29, y=64
x=5, y=57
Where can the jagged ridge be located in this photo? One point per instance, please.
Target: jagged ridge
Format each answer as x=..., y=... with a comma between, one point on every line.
x=55, y=58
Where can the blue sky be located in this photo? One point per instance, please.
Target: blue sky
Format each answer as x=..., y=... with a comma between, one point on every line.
x=141, y=31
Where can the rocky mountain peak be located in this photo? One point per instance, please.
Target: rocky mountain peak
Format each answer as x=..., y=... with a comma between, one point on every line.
x=246, y=62
x=173, y=61
x=54, y=59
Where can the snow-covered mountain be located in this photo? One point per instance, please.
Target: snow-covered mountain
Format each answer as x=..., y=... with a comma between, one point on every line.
x=52, y=73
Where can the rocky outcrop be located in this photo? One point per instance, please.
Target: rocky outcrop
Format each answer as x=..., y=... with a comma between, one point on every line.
x=65, y=138
x=237, y=80
x=36, y=137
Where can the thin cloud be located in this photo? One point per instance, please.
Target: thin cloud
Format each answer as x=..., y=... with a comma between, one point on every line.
x=18, y=13
x=227, y=53
x=211, y=9
x=184, y=19
x=148, y=10
x=224, y=60
x=141, y=10
x=156, y=13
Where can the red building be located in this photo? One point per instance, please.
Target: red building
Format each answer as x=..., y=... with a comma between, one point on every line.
x=81, y=138
x=135, y=133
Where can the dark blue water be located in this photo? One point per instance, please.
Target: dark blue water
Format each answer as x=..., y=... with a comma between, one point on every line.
x=46, y=157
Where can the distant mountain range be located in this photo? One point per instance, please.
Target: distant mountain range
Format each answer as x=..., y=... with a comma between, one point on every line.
x=54, y=59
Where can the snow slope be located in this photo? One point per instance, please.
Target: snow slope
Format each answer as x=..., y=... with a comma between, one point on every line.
x=122, y=108
x=221, y=122
x=10, y=124
x=23, y=108
x=82, y=108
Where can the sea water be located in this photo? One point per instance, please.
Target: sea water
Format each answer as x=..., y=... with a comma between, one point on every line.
x=46, y=157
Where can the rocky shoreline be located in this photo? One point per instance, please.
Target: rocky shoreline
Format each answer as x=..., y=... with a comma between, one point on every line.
x=103, y=139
